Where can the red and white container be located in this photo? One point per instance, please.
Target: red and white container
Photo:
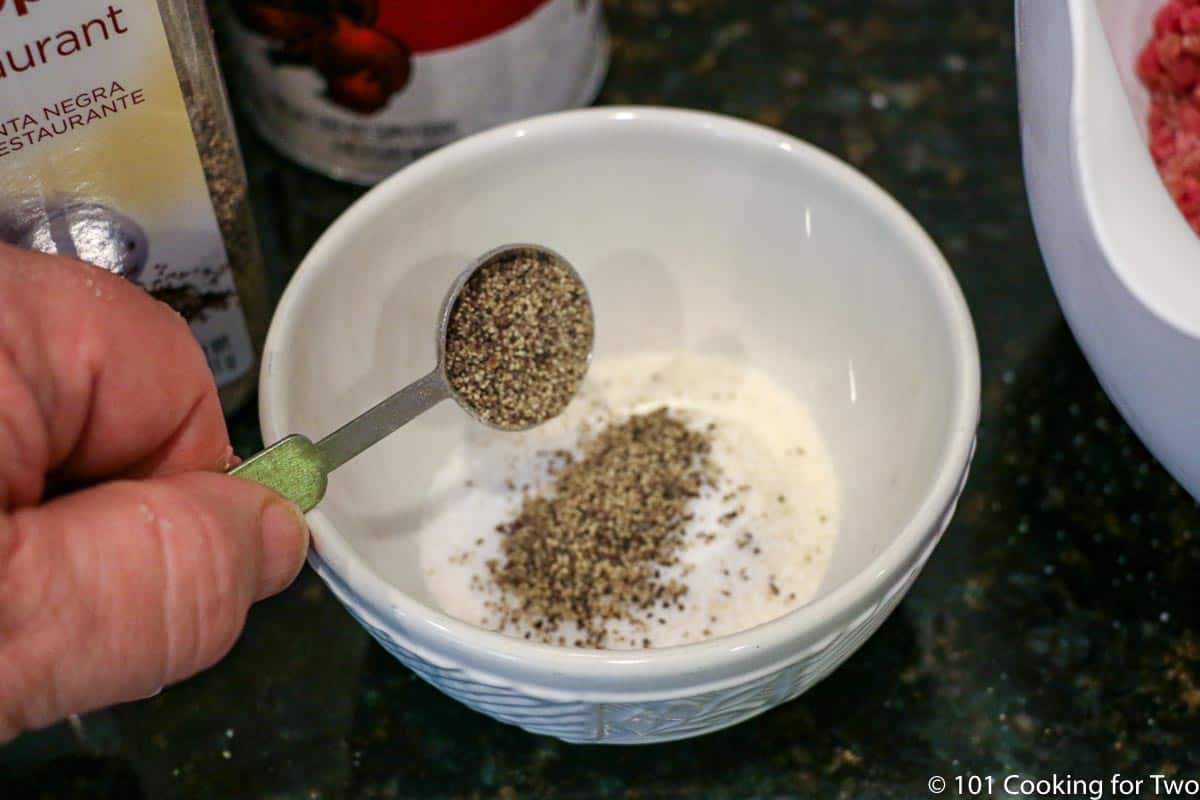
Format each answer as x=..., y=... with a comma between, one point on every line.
x=359, y=88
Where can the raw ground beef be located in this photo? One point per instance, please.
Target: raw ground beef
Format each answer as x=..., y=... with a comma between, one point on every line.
x=1169, y=66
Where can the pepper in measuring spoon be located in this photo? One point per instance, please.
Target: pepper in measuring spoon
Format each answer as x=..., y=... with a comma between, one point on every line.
x=514, y=343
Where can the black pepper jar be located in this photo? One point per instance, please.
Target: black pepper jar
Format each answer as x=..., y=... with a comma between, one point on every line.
x=189, y=34
x=117, y=148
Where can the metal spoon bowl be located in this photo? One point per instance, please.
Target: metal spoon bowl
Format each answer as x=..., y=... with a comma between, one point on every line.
x=299, y=469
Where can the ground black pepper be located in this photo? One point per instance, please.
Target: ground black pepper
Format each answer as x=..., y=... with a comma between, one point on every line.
x=519, y=339
x=590, y=549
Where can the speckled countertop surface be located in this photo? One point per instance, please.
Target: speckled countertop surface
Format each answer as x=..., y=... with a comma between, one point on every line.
x=1055, y=630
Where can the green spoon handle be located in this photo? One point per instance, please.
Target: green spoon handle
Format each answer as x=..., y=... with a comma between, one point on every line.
x=294, y=467
x=384, y=419
x=299, y=470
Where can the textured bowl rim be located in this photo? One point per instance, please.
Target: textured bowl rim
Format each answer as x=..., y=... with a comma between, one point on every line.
x=447, y=641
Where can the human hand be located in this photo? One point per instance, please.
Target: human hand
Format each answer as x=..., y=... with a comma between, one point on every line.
x=142, y=575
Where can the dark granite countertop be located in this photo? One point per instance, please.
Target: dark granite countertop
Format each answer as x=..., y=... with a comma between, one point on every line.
x=1055, y=630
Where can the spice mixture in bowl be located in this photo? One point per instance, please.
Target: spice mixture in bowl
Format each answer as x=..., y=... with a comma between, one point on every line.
x=681, y=497
x=769, y=441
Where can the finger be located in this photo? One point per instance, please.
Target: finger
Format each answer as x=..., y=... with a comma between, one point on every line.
x=113, y=592
x=96, y=378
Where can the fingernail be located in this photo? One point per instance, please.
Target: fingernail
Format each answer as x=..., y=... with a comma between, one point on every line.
x=284, y=545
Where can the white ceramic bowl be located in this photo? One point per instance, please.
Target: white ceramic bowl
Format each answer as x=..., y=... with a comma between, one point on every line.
x=1124, y=263
x=692, y=231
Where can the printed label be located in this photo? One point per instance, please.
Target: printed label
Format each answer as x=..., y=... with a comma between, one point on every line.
x=358, y=88
x=98, y=161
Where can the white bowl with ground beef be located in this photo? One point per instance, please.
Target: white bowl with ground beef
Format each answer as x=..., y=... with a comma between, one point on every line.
x=694, y=233
x=1123, y=261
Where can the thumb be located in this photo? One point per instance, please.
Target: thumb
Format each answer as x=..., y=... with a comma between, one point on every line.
x=108, y=594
